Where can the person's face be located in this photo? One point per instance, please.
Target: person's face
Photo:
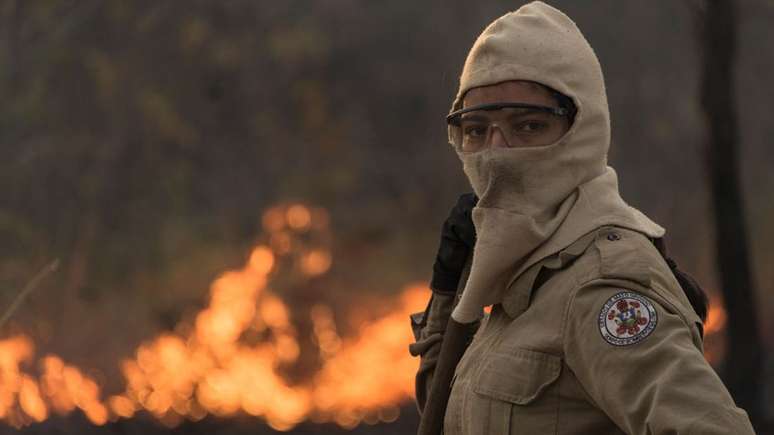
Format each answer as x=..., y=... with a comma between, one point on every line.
x=510, y=127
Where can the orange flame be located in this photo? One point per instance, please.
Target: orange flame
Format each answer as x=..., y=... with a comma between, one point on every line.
x=61, y=388
x=716, y=321
x=716, y=317
x=212, y=368
x=363, y=374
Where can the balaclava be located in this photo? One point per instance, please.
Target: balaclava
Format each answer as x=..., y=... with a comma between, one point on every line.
x=536, y=201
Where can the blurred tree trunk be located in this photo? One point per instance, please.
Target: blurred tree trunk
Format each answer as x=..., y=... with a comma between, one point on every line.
x=743, y=361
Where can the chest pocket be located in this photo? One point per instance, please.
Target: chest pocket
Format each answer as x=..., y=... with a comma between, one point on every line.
x=516, y=393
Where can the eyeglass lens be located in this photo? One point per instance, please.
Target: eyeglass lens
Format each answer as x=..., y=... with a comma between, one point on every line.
x=517, y=127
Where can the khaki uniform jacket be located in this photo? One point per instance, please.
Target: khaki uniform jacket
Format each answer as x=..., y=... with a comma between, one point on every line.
x=550, y=360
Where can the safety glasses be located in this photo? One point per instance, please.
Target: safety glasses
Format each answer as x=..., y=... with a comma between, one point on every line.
x=520, y=124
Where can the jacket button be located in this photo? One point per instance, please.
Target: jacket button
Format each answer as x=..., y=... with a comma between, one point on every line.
x=613, y=237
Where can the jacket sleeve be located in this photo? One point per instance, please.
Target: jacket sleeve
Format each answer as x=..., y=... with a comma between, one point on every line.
x=428, y=342
x=641, y=362
x=428, y=333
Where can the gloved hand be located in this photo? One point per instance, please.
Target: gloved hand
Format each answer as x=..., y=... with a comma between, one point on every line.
x=458, y=235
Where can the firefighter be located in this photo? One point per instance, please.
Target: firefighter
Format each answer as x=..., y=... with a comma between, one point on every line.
x=591, y=329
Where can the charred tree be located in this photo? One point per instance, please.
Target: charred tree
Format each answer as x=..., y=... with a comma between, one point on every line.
x=718, y=30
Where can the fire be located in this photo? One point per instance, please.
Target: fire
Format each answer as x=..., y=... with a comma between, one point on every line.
x=66, y=388
x=61, y=387
x=30, y=400
x=362, y=374
x=716, y=317
x=231, y=356
x=713, y=328
x=12, y=352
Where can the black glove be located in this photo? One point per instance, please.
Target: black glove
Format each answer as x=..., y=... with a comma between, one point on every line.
x=457, y=239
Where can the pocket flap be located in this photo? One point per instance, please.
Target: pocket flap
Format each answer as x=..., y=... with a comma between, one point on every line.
x=517, y=375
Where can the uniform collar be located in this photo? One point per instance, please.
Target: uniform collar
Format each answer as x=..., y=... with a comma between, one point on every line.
x=519, y=292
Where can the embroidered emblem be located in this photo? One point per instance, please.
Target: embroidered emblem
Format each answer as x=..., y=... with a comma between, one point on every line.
x=627, y=318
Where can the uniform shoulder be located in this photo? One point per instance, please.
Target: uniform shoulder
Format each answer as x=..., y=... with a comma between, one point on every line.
x=629, y=259
x=628, y=254
x=618, y=253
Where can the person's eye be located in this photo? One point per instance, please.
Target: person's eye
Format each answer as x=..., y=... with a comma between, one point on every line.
x=475, y=131
x=529, y=127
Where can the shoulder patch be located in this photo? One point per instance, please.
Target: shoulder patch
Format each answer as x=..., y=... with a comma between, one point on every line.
x=627, y=318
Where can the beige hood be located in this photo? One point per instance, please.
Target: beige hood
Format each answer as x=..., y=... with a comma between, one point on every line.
x=536, y=201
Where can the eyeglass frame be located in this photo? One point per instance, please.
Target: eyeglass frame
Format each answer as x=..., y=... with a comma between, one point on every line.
x=450, y=118
x=455, y=117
